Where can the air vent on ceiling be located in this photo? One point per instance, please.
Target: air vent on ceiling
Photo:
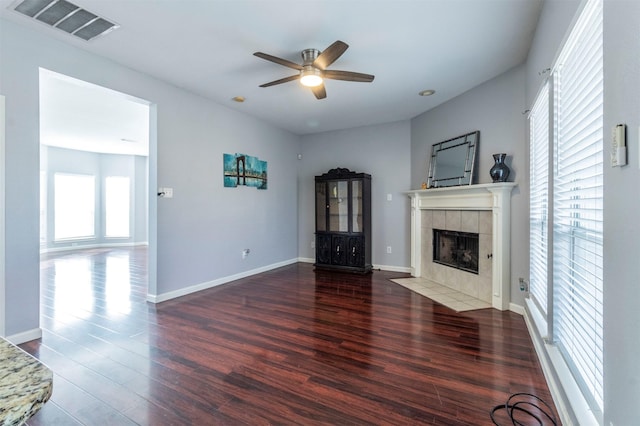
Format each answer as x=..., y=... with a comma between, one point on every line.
x=67, y=17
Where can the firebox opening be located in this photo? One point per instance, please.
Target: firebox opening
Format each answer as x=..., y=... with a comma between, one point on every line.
x=456, y=249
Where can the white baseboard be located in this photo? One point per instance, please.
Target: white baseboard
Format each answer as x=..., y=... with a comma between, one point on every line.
x=381, y=267
x=391, y=268
x=25, y=336
x=518, y=309
x=91, y=246
x=163, y=297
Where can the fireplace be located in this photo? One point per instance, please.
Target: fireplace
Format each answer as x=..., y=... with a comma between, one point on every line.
x=456, y=249
x=481, y=208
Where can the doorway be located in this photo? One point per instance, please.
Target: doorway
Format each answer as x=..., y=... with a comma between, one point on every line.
x=95, y=176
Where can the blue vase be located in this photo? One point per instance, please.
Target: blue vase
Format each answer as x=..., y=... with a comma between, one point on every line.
x=500, y=171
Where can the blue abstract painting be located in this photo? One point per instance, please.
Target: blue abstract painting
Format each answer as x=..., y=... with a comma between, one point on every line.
x=241, y=169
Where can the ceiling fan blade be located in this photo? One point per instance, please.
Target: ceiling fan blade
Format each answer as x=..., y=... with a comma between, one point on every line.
x=348, y=76
x=282, y=80
x=277, y=60
x=330, y=54
x=319, y=91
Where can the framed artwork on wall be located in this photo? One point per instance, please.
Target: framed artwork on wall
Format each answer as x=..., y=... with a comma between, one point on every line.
x=245, y=170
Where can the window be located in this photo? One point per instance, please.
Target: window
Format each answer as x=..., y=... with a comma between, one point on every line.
x=539, y=199
x=74, y=206
x=574, y=203
x=117, y=206
x=577, y=202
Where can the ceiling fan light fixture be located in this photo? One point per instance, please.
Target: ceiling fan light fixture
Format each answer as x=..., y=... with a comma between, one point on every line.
x=310, y=77
x=313, y=70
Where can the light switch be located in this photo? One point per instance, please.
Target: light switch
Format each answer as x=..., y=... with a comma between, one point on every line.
x=165, y=192
x=389, y=197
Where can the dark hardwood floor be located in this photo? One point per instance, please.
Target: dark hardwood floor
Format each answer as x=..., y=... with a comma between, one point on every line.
x=290, y=346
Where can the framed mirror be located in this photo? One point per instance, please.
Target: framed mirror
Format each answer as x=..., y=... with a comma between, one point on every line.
x=452, y=161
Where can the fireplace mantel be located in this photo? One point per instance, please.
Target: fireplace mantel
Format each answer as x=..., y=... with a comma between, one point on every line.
x=495, y=197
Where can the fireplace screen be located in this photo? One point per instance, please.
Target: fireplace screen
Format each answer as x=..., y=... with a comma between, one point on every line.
x=456, y=249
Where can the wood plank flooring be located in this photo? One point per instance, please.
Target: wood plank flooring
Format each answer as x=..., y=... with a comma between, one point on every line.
x=290, y=346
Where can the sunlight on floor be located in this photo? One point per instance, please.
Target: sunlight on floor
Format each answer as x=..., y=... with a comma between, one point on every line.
x=117, y=285
x=73, y=291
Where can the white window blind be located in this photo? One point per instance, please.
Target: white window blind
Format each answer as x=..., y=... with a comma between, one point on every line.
x=578, y=204
x=539, y=198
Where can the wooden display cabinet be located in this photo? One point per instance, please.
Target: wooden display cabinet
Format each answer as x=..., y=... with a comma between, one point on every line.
x=343, y=221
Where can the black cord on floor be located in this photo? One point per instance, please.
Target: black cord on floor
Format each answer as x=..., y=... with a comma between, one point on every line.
x=511, y=406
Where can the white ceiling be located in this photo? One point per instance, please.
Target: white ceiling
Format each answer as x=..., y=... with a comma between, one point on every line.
x=82, y=116
x=206, y=46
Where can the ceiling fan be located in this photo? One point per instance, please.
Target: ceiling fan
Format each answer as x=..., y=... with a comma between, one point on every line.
x=314, y=70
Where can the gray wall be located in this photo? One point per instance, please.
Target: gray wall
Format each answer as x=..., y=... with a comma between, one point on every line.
x=621, y=207
x=553, y=25
x=496, y=109
x=202, y=230
x=383, y=152
x=59, y=160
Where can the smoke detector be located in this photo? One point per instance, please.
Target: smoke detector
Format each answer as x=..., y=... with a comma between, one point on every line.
x=67, y=17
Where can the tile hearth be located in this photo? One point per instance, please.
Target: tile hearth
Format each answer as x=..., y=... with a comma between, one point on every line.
x=444, y=295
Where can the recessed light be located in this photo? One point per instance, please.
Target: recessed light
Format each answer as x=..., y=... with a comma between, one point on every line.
x=238, y=99
x=428, y=92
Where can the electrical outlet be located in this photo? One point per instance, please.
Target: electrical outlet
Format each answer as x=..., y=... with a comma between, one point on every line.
x=523, y=284
x=313, y=244
x=245, y=253
x=388, y=249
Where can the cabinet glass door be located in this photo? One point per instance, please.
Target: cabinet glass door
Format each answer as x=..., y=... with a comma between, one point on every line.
x=339, y=206
x=356, y=206
x=321, y=206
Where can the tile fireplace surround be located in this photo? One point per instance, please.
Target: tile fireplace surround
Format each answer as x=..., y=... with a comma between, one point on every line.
x=484, y=209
